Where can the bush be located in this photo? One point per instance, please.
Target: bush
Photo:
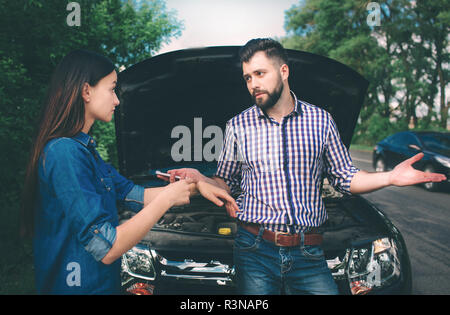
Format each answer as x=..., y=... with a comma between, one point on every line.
x=375, y=129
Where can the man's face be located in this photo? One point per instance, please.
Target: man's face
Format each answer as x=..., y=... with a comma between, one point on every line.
x=263, y=78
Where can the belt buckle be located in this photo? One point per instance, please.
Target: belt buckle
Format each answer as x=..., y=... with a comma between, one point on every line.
x=276, y=237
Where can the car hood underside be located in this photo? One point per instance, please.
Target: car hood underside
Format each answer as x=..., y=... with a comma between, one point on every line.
x=192, y=93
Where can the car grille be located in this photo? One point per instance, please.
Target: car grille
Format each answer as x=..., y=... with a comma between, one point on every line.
x=188, y=269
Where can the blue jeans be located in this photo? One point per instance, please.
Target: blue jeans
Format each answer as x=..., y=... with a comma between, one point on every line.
x=262, y=268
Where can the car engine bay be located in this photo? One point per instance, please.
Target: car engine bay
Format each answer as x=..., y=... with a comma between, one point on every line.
x=194, y=243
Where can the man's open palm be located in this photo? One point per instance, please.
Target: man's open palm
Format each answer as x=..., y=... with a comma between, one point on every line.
x=404, y=174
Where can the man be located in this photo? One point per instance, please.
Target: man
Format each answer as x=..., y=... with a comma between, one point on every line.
x=274, y=153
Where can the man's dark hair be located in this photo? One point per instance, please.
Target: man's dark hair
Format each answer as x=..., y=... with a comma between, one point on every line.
x=272, y=48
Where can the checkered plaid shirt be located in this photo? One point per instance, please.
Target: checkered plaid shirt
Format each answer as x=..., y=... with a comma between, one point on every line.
x=278, y=167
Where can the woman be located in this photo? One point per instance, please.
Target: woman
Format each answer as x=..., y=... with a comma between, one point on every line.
x=70, y=193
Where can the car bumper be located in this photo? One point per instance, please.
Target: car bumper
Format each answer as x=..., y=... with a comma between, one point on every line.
x=215, y=278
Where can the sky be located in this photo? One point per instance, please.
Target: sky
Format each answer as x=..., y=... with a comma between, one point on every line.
x=226, y=22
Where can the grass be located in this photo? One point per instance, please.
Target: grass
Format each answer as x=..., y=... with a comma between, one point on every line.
x=16, y=269
x=361, y=147
x=16, y=258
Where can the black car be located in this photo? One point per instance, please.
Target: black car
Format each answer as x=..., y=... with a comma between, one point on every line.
x=173, y=112
x=403, y=145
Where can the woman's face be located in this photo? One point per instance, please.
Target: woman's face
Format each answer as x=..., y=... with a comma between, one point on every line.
x=100, y=100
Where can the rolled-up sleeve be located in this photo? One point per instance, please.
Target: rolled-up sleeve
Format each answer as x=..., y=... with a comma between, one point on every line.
x=338, y=163
x=103, y=237
x=134, y=200
x=229, y=164
x=70, y=174
x=130, y=195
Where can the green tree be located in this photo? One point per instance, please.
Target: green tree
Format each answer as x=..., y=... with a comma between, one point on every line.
x=339, y=30
x=403, y=58
x=417, y=33
x=433, y=27
x=34, y=36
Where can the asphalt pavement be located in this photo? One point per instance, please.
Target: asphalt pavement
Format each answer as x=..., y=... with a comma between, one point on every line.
x=423, y=218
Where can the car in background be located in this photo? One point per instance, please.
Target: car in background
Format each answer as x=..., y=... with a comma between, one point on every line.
x=172, y=114
x=402, y=145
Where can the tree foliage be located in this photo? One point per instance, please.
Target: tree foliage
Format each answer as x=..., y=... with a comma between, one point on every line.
x=405, y=58
x=35, y=36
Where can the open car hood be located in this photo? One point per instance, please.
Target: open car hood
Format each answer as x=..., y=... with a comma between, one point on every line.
x=174, y=106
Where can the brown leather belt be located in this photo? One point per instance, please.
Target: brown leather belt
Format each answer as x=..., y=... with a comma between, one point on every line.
x=282, y=238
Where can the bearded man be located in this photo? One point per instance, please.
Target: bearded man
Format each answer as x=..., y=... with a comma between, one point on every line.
x=274, y=155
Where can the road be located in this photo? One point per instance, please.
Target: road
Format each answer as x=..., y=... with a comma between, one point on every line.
x=423, y=218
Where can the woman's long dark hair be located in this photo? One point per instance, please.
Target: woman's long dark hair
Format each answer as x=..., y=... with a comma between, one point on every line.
x=62, y=115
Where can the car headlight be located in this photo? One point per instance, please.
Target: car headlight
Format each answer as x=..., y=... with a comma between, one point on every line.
x=373, y=266
x=443, y=160
x=138, y=262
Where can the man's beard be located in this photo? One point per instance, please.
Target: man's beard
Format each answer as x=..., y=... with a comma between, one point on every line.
x=272, y=97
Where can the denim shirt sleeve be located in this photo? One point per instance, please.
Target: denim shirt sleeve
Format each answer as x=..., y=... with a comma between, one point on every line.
x=134, y=200
x=69, y=171
x=339, y=166
x=130, y=196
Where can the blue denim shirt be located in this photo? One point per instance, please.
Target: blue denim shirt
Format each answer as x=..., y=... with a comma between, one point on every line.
x=76, y=218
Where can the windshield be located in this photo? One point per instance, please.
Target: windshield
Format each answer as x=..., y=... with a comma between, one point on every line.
x=439, y=143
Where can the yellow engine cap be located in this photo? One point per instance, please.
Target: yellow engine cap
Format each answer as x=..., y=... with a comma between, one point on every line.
x=224, y=231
